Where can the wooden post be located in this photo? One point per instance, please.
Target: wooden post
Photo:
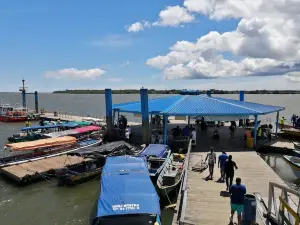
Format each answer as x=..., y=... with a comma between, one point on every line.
x=145, y=115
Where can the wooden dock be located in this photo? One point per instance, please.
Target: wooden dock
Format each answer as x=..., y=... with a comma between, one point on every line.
x=29, y=171
x=204, y=203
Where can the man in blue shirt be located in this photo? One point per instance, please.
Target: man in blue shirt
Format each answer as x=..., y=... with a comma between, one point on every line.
x=221, y=164
x=237, y=192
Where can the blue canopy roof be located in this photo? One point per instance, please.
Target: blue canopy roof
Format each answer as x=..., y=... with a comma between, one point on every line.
x=155, y=149
x=198, y=105
x=126, y=188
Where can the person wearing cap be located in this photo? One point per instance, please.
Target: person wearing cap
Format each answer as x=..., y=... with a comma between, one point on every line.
x=221, y=164
x=212, y=160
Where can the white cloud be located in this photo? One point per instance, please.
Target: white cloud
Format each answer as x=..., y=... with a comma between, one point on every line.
x=73, y=73
x=112, y=41
x=265, y=42
x=115, y=79
x=174, y=16
x=293, y=77
x=125, y=64
x=138, y=26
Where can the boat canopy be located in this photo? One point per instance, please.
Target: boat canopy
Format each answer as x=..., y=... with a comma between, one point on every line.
x=41, y=127
x=43, y=143
x=82, y=124
x=61, y=133
x=87, y=129
x=157, y=150
x=126, y=188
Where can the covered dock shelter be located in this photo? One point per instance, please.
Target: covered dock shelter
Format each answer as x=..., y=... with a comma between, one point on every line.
x=195, y=106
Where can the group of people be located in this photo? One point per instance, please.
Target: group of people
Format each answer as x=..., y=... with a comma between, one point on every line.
x=227, y=168
x=187, y=131
x=295, y=121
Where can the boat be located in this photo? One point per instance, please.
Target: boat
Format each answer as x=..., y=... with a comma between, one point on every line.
x=156, y=156
x=33, y=133
x=127, y=195
x=96, y=157
x=292, y=132
x=294, y=163
x=296, y=145
x=17, y=153
x=171, y=175
x=9, y=113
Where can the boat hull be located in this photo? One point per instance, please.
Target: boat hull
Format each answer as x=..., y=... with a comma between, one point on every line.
x=295, y=168
x=11, y=119
x=297, y=145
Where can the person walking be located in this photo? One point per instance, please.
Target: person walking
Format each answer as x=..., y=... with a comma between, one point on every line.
x=229, y=171
x=212, y=160
x=237, y=192
x=221, y=164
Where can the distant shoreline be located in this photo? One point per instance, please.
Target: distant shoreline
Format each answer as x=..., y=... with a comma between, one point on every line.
x=173, y=91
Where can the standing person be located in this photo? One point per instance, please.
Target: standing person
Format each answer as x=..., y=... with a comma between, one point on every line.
x=282, y=119
x=229, y=171
x=221, y=164
x=27, y=124
x=237, y=192
x=194, y=134
x=212, y=160
x=186, y=131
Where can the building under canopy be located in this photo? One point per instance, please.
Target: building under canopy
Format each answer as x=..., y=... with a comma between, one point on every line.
x=197, y=105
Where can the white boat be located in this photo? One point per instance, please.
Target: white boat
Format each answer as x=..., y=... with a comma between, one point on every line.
x=294, y=163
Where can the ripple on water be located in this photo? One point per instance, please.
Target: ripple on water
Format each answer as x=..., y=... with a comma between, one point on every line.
x=3, y=202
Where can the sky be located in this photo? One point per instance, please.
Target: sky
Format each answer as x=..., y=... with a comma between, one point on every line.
x=161, y=44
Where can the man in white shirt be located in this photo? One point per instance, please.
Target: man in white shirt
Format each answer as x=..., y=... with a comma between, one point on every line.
x=212, y=160
x=194, y=134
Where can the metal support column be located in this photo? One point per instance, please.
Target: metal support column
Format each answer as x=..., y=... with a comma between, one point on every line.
x=108, y=105
x=242, y=96
x=36, y=102
x=145, y=116
x=255, y=130
x=189, y=120
x=208, y=92
x=277, y=120
x=165, y=129
x=24, y=98
x=114, y=118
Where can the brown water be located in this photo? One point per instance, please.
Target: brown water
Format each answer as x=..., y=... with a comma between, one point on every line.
x=44, y=203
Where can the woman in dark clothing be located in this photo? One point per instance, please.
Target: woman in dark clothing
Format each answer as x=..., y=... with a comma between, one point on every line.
x=229, y=171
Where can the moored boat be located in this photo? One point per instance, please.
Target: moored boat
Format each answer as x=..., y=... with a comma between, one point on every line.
x=294, y=163
x=93, y=166
x=17, y=153
x=127, y=195
x=296, y=145
x=171, y=175
x=9, y=113
x=156, y=155
x=292, y=132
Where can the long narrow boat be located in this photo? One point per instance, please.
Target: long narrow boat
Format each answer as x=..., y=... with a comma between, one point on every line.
x=291, y=132
x=127, y=195
x=93, y=167
x=294, y=163
x=156, y=155
x=33, y=133
x=171, y=175
x=17, y=153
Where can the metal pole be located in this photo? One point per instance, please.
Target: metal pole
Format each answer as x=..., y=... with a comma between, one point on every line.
x=242, y=96
x=277, y=119
x=36, y=102
x=108, y=105
x=189, y=120
x=23, y=94
x=113, y=118
x=255, y=130
x=165, y=129
x=208, y=92
x=145, y=115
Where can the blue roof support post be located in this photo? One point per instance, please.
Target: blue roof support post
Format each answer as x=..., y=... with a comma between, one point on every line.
x=189, y=120
x=255, y=130
x=208, y=92
x=277, y=120
x=165, y=129
x=145, y=116
x=36, y=102
x=108, y=105
x=242, y=96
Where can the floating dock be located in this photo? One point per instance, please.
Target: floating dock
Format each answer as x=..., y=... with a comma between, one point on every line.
x=30, y=171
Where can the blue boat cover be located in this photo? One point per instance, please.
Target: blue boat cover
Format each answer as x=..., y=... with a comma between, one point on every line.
x=157, y=150
x=126, y=188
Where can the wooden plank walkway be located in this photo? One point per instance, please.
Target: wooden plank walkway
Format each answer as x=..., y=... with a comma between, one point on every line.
x=205, y=205
x=33, y=169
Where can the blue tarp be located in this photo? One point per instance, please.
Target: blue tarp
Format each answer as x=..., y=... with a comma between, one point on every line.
x=155, y=149
x=126, y=188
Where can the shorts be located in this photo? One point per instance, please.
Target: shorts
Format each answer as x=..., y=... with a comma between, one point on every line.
x=237, y=207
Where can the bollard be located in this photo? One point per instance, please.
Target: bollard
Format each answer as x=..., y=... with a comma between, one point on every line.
x=249, y=214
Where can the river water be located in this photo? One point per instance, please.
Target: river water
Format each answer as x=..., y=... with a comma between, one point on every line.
x=44, y=203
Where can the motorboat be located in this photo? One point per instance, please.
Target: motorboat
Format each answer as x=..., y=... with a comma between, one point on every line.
x=127, y=195
x=296, y=145
x=9, y=113
x=294, y=163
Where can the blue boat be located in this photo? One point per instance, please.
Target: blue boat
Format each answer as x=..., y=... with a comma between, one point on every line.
x=157, y=156
x=127, y=195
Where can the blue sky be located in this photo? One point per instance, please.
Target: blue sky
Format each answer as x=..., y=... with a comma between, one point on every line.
x=41, y=40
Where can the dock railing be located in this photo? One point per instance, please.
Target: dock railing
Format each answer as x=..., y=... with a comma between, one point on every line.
x=182, y=196
x=287, y=209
